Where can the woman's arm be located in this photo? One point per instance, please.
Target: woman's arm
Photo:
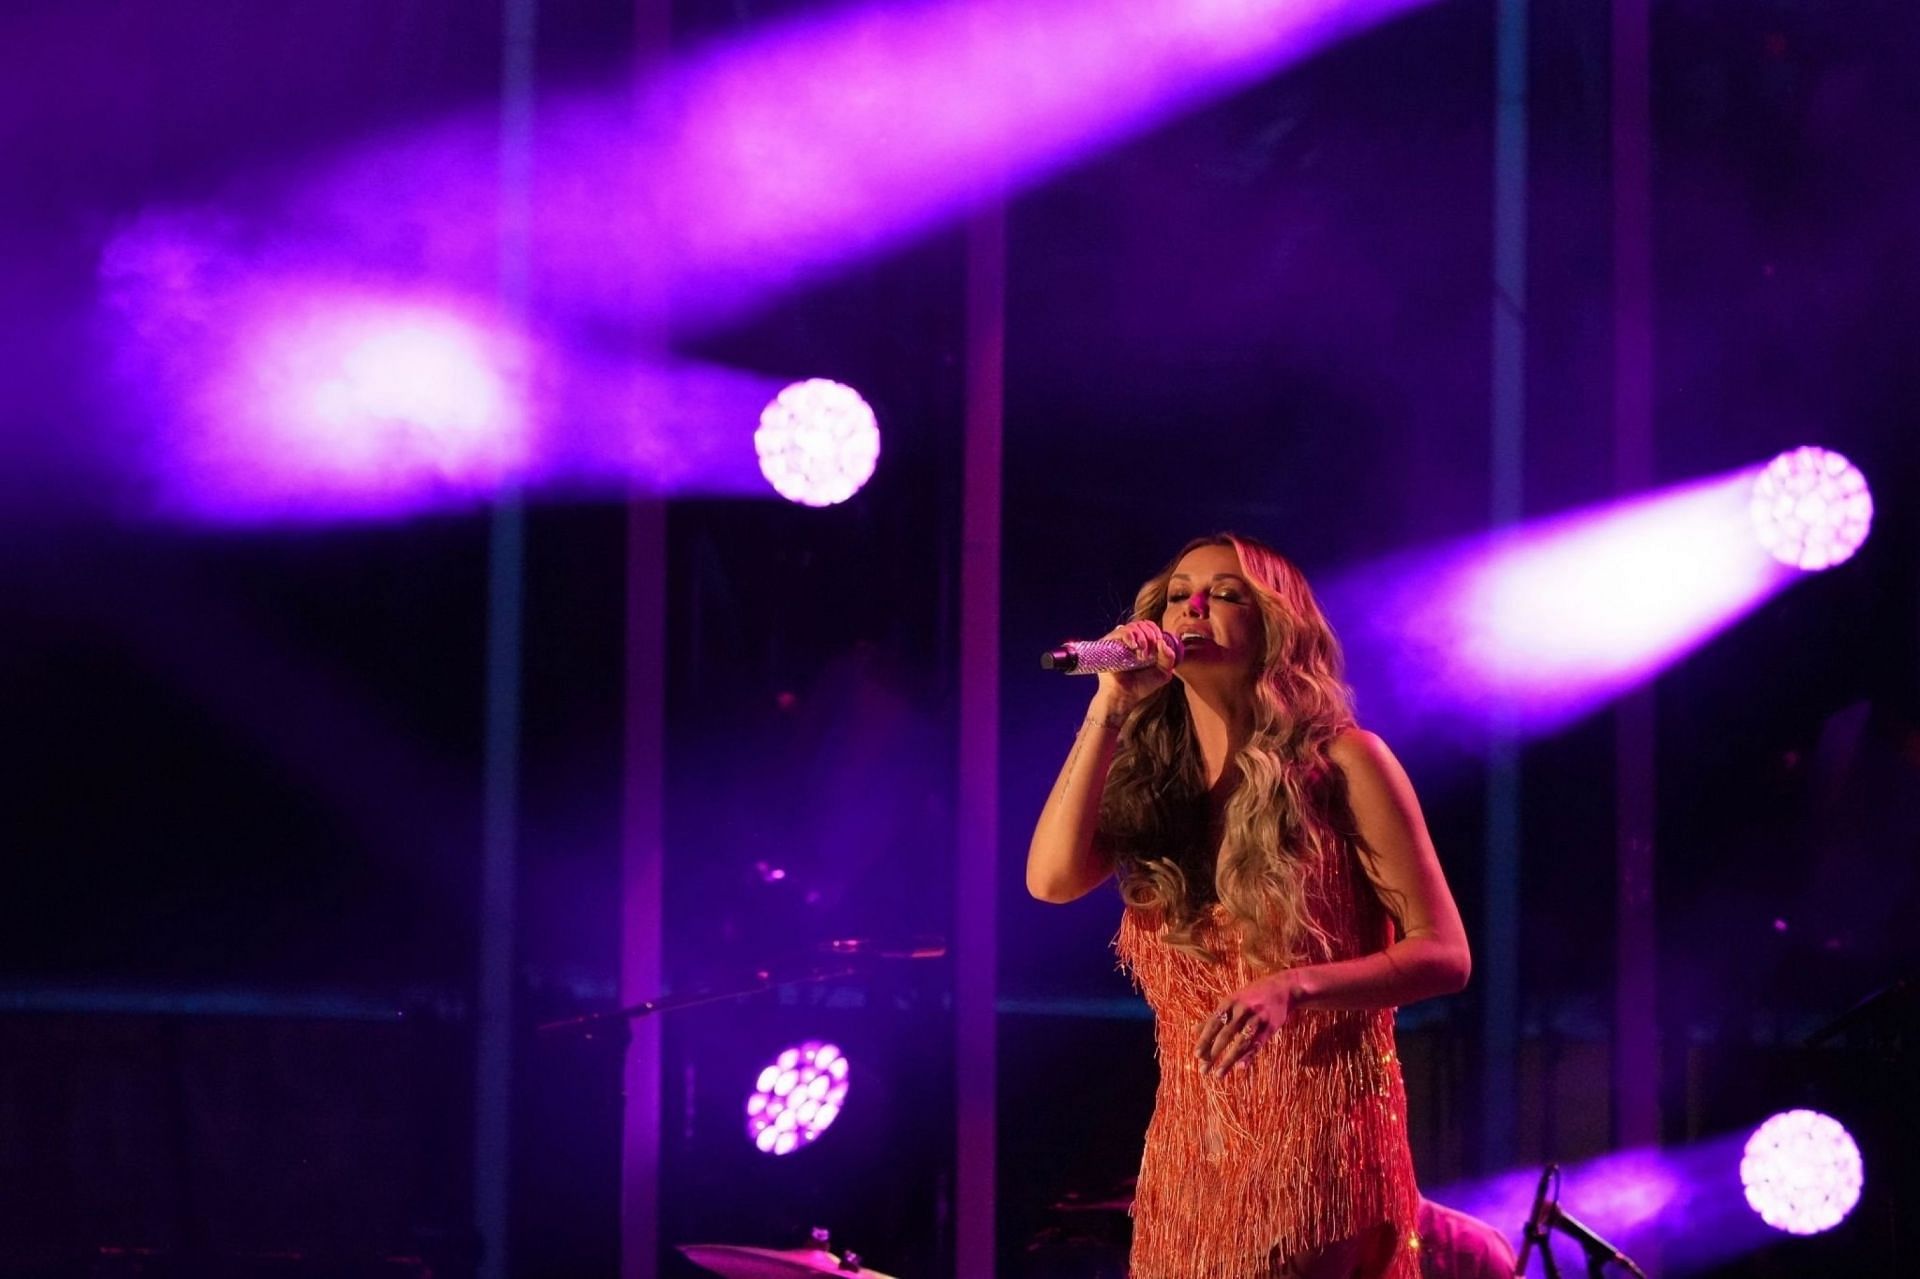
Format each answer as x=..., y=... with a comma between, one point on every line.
x=1064, y=859
x=1431, y=956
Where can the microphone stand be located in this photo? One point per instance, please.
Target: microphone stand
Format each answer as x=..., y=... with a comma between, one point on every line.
x=1599, y=1252
x=1538, y=1232
x=763, y=981
x=1548, y=1216
x=845, y=957
x=839, y=958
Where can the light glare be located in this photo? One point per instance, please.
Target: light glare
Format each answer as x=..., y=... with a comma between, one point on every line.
x=797, y=1097
x=1801, y=1171
x=336, y=402
x=1811, y=508
x=818, y=442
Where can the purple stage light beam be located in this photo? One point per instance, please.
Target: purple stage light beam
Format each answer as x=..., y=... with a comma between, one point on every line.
x=746, y=168
x=321, y=402
x=1549, y=622
x=279, y=396
x=834, y=138
x=731, y=176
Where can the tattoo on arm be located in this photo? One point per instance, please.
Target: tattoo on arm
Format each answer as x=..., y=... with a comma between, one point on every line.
x=1073, y=757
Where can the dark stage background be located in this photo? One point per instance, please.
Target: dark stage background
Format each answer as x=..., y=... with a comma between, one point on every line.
x=242, y=803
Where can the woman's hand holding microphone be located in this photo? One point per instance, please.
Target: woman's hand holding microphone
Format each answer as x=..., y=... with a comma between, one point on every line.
x=1120, y=691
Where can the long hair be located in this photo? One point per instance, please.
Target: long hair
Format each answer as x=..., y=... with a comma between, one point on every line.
x=1289, y=811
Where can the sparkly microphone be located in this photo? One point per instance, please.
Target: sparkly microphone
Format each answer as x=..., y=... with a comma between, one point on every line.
x=1092, y=657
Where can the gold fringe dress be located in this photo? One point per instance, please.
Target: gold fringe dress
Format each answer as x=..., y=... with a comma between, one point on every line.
x=1303, y=1144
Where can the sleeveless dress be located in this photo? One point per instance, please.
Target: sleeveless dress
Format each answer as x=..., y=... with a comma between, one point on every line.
x=1303, y=1144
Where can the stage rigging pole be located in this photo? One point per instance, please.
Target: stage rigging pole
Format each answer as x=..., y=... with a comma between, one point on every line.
x=1498, y=950
x=1636, y=1060
x=500, y=802
x=643, y=807
x=977, y=839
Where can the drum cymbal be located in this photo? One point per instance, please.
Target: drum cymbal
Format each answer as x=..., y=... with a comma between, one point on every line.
x=734, y=1261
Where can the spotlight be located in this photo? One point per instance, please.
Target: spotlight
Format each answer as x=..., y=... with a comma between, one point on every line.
x=1801, y=1171
x=818, y=442
x=1811, y=508
x=797, y=1097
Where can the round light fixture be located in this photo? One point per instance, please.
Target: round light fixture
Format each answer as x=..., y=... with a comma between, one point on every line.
x=818, y=442
x=797, y=1097
x=1801, y=1171
x=1811, y=508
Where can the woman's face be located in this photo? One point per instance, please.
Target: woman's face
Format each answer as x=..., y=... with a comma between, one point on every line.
x=1211, y=609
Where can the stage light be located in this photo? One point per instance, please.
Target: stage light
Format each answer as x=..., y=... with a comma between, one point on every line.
x=1535, y=626
x=797, y=1097
x=1801, y=1171
x=1811, y=508
x=727, y=177
x=818, y=442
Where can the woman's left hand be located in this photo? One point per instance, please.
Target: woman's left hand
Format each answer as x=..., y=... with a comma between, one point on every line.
x=1245, y=1021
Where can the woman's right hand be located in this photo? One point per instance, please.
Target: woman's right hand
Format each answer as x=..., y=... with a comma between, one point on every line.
x=1120, y=691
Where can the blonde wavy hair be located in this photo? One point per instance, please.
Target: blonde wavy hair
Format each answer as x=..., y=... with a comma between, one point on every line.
x=1289, y=811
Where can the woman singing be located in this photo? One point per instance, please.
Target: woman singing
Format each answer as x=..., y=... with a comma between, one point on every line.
x=1282, y=898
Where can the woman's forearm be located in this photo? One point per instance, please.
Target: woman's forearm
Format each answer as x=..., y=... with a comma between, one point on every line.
x=1412, y=969
x=1063, y=859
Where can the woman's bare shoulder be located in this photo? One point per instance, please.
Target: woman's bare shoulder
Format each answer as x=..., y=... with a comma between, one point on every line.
x=1359, y=748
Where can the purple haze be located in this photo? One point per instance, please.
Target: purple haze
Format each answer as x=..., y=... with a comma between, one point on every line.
x=270, y=384
x=745, y=167
x=264, y=395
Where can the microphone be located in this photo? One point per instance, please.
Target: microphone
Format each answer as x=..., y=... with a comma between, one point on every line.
x=1093, y=657
x=1538, y=1220
x=1599, y=1251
